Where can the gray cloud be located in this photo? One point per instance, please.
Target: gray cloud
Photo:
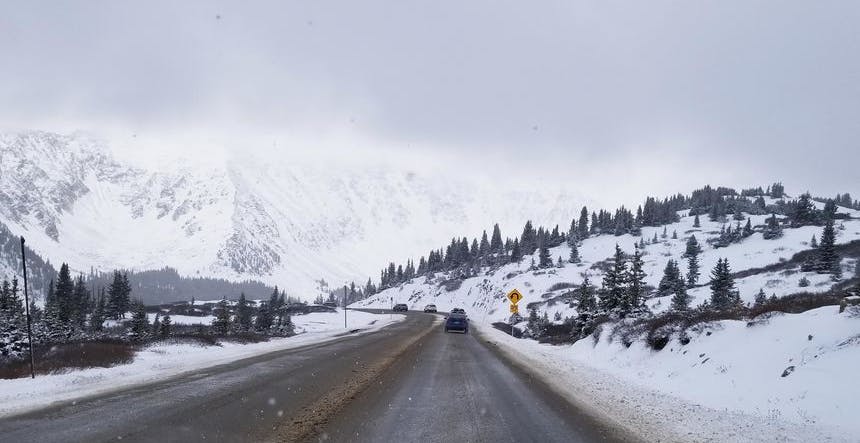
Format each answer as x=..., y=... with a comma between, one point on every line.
x=656, y=96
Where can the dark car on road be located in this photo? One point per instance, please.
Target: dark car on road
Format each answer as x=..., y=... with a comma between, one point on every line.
x=457, y=322
x=458, y=311
x=430, y=308
x=400, y=307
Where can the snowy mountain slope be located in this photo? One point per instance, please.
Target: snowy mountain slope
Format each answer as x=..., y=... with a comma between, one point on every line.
x=283, y=221
x=740, y=367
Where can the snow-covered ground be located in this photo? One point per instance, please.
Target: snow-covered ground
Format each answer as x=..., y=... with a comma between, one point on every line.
x=662, y=398
x=161, y=361
x=729, y=373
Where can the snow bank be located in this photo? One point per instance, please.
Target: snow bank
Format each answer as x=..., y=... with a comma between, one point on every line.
x=161, y=361
x=736, y=395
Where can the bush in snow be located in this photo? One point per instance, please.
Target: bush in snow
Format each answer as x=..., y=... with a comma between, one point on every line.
x=804, y=282
x=773, y=228
x=221, y=324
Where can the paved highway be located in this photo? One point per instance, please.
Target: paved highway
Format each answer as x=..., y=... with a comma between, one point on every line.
x=407, y=382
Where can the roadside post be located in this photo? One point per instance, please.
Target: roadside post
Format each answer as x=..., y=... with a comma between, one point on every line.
x=514, y=296
x=27, y=310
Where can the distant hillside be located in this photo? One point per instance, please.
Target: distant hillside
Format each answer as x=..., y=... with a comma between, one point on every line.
x=39, y=271
x=166, y=285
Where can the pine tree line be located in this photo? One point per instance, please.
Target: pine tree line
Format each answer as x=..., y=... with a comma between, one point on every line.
x=466, y=258
x=12, y=321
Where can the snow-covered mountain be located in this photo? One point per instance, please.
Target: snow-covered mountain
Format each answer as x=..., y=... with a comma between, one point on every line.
x=282, y=221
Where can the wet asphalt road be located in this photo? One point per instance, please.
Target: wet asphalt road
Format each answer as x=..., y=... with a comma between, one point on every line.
x=408, y=382
x=453, y=387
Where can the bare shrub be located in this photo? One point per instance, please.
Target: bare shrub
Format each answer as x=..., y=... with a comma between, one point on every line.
x=57, y=358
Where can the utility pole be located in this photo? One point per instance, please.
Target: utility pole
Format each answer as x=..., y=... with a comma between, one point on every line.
x=27, y=310
x=344, y=308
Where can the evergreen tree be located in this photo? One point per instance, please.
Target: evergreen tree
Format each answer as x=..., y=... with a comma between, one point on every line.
x=571, y=233
x=12, y=323
x=574, y=254
x=496, y=240
x=664, y=235
x=804, y=282
x=484, y=248
x=139, y=322
x=722, y=285
x=777, y=190
x=156, y=324
x=773, y=228
x=613, y=291
x=119, y=295
x=814, y=242
x=674, y=234
x=586, y=302
x=696, y=223
x=166, y=326
x=582, y=224
x=671, y=278
x=283, y=326
x=829, y=211
x=264, y=320
x=98, y=318
x=221, y=324
x=804, y=212
x=81, y=299
x=5, y=291
x=533, y=320
x=64, y=294
x=635, y=283
x=528, y=239
x=692, y=271
x=680, y=299
x=829, y=261
x=693, y=247
x=125, y=297
x=51, y=314
x=275, y=298
x=760, y=298
x=545, y=260
x=747, y=229
x=516, y=252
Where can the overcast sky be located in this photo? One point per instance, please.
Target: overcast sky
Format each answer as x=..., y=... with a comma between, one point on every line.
x=617, y=99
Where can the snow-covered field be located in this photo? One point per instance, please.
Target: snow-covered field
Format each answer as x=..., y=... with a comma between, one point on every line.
x=158, y=362
x=726, y=384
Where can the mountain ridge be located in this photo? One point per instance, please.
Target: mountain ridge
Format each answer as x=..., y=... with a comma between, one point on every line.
x=280, y=221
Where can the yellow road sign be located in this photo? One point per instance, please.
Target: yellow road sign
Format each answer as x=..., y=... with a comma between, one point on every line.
x=515, y=309
x=514, y=296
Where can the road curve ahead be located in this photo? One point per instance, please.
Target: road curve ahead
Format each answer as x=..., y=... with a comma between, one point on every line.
x=452, y=387
x=406, y=382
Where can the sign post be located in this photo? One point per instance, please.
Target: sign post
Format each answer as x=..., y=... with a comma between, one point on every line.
x=514, y=296
x=27, y=310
